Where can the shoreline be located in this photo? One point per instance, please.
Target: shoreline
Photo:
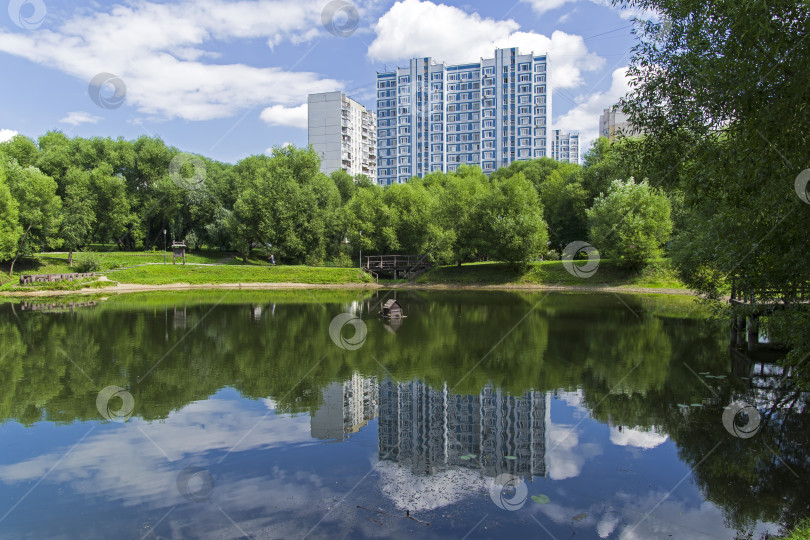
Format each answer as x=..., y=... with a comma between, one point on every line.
x=171, y=287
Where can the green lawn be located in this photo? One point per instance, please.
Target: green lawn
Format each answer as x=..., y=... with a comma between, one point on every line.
x=147, y=268
x=161, y=275
x=658, y=275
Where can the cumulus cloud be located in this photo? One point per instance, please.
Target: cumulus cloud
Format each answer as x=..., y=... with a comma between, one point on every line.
x=7, y=135
x=160, y=51
x=541, y=6
x=278, y=115
x=585, y=116
x=416, y=28
x=80, y=117
x=636, y=437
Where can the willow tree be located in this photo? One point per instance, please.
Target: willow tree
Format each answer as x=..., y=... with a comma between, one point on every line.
x=720, y=88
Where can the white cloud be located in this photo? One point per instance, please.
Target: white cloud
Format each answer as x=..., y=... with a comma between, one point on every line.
x=7, y=135
x=637, y=437
x=80, y=117
x=278, y=115
x=415, y=28
x=159, y=51
x=585, y=116
x=541, y=6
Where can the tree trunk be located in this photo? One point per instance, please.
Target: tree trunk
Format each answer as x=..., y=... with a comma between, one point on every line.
x=458, y=264
x=19, y=247
x=70, y=258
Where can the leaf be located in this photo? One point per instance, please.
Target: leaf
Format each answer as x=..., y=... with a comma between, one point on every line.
x=540, y=499
x=510, y=457
x=580, y=517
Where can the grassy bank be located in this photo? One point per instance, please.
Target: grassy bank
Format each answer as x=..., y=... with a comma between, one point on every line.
x=658, y=275
x=163, y=275
x=216, y=268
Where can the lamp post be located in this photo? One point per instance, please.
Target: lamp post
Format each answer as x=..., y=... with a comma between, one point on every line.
x=164, y=246
x=361, y=249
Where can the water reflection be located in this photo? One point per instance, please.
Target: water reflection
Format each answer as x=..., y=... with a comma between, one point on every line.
x=609, y=407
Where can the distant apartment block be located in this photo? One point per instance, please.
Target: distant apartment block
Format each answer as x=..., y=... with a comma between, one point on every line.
x=435, y=117
x=565, y=146
x=612, y=122
x=343, y=133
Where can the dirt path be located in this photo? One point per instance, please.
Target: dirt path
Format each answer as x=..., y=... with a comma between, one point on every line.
x=123, y=288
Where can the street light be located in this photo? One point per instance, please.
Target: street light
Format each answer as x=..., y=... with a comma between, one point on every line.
x=164, y=246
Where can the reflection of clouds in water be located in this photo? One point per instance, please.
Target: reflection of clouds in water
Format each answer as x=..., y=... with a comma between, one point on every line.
x=565, y=454
x=123, y=463
x=638, y=437
x=408, y=491
x=671, y=519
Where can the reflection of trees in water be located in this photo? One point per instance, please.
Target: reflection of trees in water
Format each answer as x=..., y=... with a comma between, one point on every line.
x=633, y=363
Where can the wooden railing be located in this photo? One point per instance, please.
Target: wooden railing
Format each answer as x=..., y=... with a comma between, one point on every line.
x=396, y=262
x=790, y=294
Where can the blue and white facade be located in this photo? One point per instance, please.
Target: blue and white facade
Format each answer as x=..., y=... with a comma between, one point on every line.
x=565, y=146
x=434, y=117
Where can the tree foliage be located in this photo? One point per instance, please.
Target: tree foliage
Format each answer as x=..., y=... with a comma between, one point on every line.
x=631, y=223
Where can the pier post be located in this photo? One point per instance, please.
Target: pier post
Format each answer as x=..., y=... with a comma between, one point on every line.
x=740, y=331
x=753, y=333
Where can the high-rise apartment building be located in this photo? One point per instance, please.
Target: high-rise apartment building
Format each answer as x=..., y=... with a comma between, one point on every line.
x=612, y=122
x=565, y=146
x=343, y=133
x=434, y=117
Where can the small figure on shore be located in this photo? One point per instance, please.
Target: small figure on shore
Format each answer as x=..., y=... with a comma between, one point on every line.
x=272, y=259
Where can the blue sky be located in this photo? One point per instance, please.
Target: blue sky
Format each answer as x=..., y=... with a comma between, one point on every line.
x=228, y=79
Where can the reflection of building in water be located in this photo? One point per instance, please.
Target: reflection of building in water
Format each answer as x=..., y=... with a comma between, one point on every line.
x=346, y=408
x=429, y=429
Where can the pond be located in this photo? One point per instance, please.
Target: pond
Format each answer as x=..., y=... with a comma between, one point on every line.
x=302, y=414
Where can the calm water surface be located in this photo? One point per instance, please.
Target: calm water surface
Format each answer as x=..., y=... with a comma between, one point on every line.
x=479, y=415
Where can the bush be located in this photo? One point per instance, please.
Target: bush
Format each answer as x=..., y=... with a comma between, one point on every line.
x=87, y=262
x=630, y=224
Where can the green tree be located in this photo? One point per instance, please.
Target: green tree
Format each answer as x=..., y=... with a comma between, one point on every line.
x=512, y=221
x=730, y=76
x=631, y=223
x=40, y=209
x=79, y=216
x=10, y=229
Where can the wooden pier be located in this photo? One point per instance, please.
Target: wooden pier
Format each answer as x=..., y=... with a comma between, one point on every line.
x=756, y=303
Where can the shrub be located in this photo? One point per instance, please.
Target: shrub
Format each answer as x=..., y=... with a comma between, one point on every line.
x=87, y=262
